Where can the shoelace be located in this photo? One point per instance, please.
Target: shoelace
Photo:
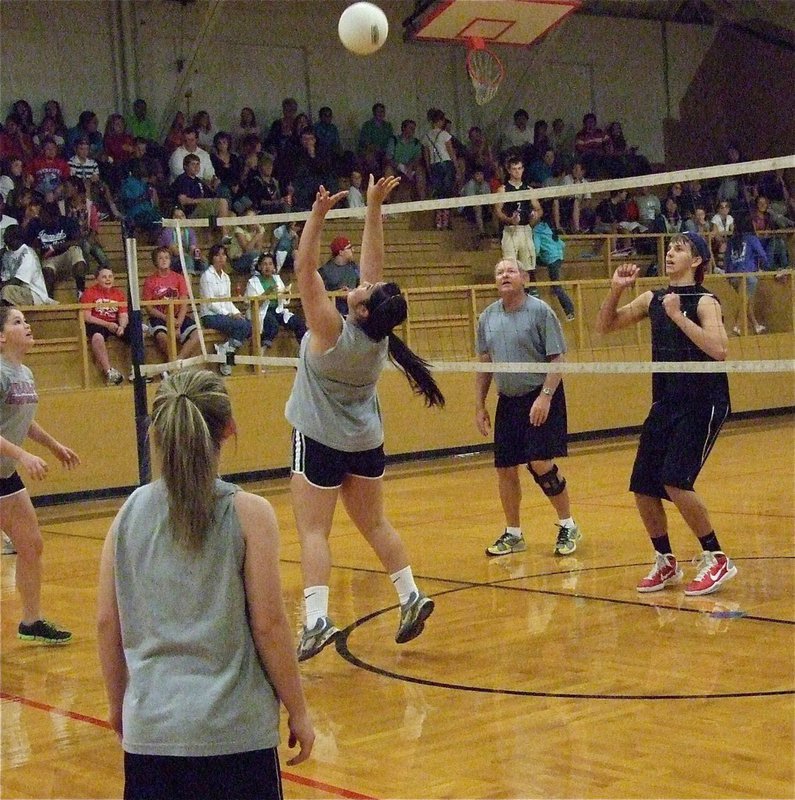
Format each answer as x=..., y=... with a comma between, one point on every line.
x=660, y=563
x=563, y=534
x=707, y=560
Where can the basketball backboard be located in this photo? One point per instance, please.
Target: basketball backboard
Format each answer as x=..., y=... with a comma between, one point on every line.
x=514, y=22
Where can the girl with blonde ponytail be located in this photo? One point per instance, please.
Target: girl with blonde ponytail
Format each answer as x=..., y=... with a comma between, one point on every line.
x=194, y=642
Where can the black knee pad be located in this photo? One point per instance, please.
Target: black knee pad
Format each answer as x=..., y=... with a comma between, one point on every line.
x=551, y=484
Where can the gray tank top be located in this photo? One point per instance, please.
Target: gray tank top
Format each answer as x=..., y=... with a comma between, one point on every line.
x=334, y=400
x=196, y=685
x=18, y=402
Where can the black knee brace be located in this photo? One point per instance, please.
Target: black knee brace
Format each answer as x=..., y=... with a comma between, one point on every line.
x=551, y=485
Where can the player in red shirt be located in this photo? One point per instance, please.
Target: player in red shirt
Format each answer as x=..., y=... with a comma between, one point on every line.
x=107, y=316
x=165, y=284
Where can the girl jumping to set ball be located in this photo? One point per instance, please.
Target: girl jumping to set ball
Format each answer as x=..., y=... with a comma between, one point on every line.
x=338, y=437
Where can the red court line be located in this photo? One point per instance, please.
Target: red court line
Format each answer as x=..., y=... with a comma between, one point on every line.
x=101, y=723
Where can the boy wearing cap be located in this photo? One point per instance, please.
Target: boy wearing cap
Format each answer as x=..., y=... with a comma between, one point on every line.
x=340, y=272
x=688, y=408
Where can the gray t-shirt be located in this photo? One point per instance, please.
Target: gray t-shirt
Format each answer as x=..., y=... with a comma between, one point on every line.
x=531, y=334
x=196, y=685
x=19, y=400
x=334, y=399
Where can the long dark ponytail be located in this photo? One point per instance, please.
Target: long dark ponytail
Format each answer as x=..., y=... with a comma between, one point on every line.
x=388, y=308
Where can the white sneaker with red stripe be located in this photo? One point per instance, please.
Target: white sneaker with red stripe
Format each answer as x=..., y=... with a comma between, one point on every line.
x=664, y=572
x=716, y=568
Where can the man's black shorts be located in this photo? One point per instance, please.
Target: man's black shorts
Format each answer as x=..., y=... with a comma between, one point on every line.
x=326, y=467
x=674, y=444
x=516, y=441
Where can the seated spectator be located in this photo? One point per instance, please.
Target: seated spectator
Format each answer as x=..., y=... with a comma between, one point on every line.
x=151, y=167
x=273, y=313
x=14, y=142
x=57, y=240
x=340, y=272
x=175, y=136
x=260, y=190
x=82, y=166
x=611, y=212
x=309, y=173
x=21, y=278
x=12, y=179
x=616, y=141
x=698, y=223
x=517, y=137
x=404, y=159
x=247, y=126
x=744, y=255
x=117, y=142
x=24, y=114
x=285, y=243
x=540, y=169
x=190, y=146
x=6, y=221
x=52, y=110
x=169, y=238
x=138, y=200
x=478, y=155
x=204, y=127
x=228, y=166
x=46, y=130
x=248, y=243
x=87, y=127
x=139, y=125
x=83, y=211
x=48, y=172
x=374, y=138
x=195, y=196
x=773, y=186
x=479, y=216
x=764, y=221
x=670, y=220
x=439, y=163
x=355, y=198
x=27, y=211
x=648, y=204
x=105, y=316
x=541, y=142
x=589, y=144
x=165, y=284
x=562, y=142
x=722, y=227
x=217, y=311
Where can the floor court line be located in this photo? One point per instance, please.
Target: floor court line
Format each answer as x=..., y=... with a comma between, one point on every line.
x=301, y=780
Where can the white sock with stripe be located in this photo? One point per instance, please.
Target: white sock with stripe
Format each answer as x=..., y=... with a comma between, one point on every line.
x=316, y=604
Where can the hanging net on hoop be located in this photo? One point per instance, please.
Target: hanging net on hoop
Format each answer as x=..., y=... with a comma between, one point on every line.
x=485, y=70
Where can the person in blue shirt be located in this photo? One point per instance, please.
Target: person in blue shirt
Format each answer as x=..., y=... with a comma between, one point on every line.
x=745, y=254
x=549, y=253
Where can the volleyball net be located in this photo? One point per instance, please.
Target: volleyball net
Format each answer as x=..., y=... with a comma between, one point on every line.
x=447, y=279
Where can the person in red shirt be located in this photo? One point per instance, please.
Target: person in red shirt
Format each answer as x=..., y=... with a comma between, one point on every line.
x=48, y=172
x=165, y=284
x=14, y=142
x=106, y=316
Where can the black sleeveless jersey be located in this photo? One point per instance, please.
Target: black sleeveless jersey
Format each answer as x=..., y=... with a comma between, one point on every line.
x=522, y=205
x=669, y=343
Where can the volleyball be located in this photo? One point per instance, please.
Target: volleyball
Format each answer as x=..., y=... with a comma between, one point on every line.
x=363, y=28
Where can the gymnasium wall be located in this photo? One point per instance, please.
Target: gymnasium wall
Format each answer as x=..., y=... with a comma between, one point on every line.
x=99, y=423
x=256, y=53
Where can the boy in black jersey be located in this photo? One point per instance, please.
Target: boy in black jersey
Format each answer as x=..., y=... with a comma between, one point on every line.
x=688, y=408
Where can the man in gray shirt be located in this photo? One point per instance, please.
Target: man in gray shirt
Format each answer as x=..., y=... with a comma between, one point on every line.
x=530, y=424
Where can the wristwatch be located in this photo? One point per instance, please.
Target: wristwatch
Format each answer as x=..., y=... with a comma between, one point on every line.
x=546, y=390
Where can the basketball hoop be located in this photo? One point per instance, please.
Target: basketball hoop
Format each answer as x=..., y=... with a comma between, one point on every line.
x=485, y=70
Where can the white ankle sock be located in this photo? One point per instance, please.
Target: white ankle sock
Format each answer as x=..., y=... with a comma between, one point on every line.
x=316, y=604
x=566, y=523
x=403, y=581
x=513, y=531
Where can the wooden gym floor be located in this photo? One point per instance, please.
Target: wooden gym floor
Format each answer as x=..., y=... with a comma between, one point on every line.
x=537, y=676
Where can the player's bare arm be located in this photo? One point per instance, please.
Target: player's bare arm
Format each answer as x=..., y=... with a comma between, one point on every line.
x=612, y=318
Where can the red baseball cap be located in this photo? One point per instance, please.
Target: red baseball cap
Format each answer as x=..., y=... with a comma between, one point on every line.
x=339, y=244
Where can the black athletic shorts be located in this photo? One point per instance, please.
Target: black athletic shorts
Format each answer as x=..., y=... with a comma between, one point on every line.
x=326, y=467
x=675, y=441
x=91, y=329
x=243, y=776
x=11, y=485
x=516, y=441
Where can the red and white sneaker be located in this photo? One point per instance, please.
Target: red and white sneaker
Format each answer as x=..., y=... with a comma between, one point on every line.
x=665, y=571
x=716, y=568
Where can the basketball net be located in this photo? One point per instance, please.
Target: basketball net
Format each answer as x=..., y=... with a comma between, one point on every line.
x=485, y=70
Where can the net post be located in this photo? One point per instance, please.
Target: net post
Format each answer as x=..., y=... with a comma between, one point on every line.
x=137, y=353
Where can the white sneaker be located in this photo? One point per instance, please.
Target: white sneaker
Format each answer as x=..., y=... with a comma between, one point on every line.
x=114, y=377
x=8, y=546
